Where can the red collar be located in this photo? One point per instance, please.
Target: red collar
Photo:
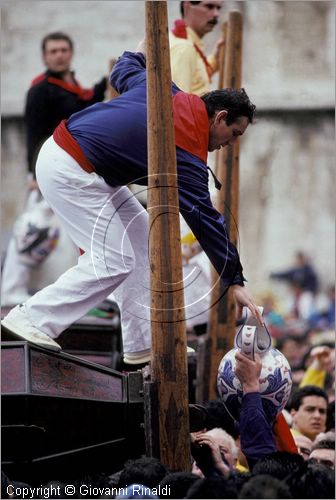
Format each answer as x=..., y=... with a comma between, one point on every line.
x=74, y=88
x=191, y=124
x=83, y=94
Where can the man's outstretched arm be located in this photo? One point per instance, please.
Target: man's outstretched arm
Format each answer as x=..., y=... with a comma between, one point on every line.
x=256, y=436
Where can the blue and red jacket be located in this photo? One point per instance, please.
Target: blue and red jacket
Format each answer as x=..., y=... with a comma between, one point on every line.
x=112, y=138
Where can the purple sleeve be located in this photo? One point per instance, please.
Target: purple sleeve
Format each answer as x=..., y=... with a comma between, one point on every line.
x=128, y=72
x=256, y=436
x=207, y=224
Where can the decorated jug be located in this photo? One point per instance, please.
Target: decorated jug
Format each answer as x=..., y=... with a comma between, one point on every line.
x=275, y=378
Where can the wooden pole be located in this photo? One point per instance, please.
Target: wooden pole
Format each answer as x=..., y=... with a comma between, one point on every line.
x=222, y=320
x=169, y=341
x=222, y=56
x=221, y=64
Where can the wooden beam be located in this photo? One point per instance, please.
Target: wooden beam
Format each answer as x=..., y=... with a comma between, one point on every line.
x=222, y=319
x=222, y=56
x=169, y=357
x=221, y=65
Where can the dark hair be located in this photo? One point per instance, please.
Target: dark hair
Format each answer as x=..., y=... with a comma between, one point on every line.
x=56, y=35
x=148, y=471
x=235, y=101
x=179, y=483
x=212, y=487
x=312, y=481
x=264, y=486
x=330, y=423
x=297, y=396
x=182, y=7
x=218, y=416
x=324, y=444
x=239, y=478
x=278, y=464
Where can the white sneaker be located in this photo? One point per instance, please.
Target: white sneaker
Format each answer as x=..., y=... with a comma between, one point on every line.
x=18, y=326
x=141, y=357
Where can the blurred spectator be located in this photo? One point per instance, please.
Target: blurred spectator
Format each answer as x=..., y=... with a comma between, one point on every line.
x=145, y=470
x=53, y=96
x=311, y=481
x=302, y=274
x=304, y=445
x=212, y=487
x=330, y=424
x=274, y=320
x=294, y=349
x=219, y=416
x=179, y=483
x=323, y=452
x=321, y=361
x=278, y=464
x=302, y=304
x=323, y=316
x=264, y=486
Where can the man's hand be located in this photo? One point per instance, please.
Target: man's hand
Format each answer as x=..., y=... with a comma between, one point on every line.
x=202, y=439
x=248, y=372
x=243, y=298
x=141, y=47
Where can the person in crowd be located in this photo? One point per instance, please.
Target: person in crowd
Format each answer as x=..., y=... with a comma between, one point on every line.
x=178, y=484
x=191, y=68
x=53, y=96
x=256, y=435
x=311, y=481
x=301, y=274
x=304, y=445
x=321, y=362
x=278, y=464
x=212, y=487
x=148, y=471
x=95, y=154
x=323, y=452
x=308, y=408
x=265, y=486
x=221, y=449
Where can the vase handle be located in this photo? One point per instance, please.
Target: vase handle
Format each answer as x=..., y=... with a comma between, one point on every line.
x=248, y=341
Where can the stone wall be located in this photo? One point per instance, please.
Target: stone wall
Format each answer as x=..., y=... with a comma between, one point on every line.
x=287, y=157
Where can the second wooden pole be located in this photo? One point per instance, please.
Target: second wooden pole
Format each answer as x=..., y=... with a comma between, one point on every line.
x=169, y=358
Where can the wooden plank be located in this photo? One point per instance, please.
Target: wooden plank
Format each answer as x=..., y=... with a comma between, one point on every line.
x=28, y=369
x=169, y=359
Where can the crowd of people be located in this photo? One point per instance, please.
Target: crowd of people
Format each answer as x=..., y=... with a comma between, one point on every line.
x=230, y=459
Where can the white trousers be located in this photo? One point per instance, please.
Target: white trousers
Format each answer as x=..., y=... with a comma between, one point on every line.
x=111, y=226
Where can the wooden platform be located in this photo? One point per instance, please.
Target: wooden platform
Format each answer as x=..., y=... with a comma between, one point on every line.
x=62, y=416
